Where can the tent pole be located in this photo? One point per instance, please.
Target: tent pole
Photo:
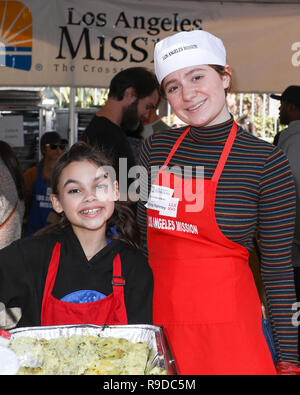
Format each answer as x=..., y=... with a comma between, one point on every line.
x=264, y=115
x=72, y=132
x=40, y=131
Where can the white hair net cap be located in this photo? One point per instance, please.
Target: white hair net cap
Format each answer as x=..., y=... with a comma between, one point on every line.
x=186, y=49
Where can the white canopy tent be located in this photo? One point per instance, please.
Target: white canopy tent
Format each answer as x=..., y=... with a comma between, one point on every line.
x=83, y=44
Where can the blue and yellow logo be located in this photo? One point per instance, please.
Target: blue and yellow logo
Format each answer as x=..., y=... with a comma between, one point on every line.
x=15, y=35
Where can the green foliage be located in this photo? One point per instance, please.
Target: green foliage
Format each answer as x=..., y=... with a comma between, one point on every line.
x=264, y=126
x=269, y=126
x=84, y=97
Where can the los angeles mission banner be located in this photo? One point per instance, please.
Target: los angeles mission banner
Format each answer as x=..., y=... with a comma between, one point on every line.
x=85, y=43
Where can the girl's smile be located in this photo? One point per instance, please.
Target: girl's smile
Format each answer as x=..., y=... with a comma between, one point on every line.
x=90, y=212
x=194, y=108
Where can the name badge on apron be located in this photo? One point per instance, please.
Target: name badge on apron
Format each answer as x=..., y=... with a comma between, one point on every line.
x=161, y=199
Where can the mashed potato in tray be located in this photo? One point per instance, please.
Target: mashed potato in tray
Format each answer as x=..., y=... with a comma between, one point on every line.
x=82, y=354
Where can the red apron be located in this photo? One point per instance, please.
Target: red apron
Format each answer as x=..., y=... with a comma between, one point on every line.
x=111, y=310
x=204, y=292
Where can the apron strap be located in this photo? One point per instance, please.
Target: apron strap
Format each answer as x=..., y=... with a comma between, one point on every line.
x=118, y=283
x=225, y=153
x=175, y=146
x=117, y=279
x=52, y=268
x=50, y=279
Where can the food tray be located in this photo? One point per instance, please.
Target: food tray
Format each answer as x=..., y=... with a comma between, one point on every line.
x=160, y=354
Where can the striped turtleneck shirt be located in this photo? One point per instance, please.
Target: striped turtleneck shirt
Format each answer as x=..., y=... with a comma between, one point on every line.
x=255, y=194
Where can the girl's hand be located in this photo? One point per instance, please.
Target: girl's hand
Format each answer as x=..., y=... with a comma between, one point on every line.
x=4, y=337
x=287, y=368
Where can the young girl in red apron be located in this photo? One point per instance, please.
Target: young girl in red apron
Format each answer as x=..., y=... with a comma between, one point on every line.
x=86, y=270
x=87, y=196
x=204, y=293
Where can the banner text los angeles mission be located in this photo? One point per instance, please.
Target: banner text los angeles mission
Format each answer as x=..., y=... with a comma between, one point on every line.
x=78, y=35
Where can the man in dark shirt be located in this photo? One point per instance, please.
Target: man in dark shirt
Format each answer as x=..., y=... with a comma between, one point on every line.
x=133, y=93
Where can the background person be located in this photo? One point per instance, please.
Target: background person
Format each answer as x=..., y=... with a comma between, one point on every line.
x=289, y=142
x=246, y=124
x=12, y=194
x=80, y=271
x=133, y=92
x=146, y=128
x=153, y=124
x=204, y=295
x=39, y=212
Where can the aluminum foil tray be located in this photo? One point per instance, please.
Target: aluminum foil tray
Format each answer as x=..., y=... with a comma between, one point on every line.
x=160, y=354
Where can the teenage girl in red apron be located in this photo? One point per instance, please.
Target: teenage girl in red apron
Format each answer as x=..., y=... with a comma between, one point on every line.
x=204, y=292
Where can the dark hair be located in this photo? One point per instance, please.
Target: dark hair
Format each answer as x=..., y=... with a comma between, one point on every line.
x=49, y=138
x=122, y=220
x=12, y=163
x=222, y=72
x=141, y=79
x=297, y=106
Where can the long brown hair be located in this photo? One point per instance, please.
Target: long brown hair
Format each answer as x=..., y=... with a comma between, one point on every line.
x=122, y=225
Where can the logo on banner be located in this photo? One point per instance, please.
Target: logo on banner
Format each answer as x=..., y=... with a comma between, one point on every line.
x=15, y=35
